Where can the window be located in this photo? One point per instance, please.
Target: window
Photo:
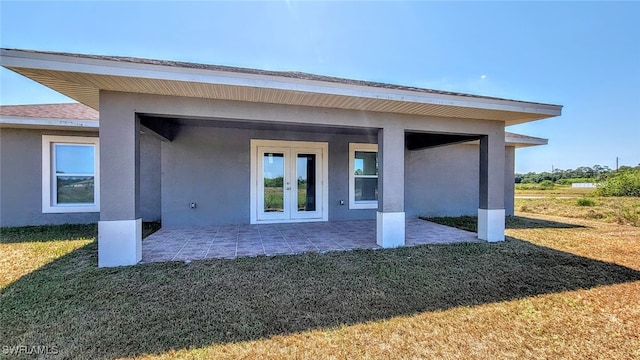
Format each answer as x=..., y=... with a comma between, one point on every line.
x=70, y=174
x=363, y=176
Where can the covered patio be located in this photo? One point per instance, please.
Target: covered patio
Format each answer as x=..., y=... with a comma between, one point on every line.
x=232, y=241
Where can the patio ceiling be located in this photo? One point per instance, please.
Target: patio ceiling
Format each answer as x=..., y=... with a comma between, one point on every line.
x=81, y=77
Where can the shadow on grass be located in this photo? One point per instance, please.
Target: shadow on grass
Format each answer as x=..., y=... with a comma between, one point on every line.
x=46, y=233
x=87, y=312
x=521, y=222
x=470, y=223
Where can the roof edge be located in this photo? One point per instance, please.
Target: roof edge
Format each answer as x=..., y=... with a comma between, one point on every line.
x=287, y=80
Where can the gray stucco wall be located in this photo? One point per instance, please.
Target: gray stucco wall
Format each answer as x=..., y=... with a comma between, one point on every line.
x=150, y=180
x=21, y=179
x=509, y=180
x=211, y=166
x=21, y=187
x=443, y=181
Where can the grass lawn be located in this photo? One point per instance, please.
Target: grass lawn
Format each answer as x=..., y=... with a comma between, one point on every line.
x=557, y=288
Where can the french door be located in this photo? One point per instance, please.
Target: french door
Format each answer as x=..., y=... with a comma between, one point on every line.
x=289, y=181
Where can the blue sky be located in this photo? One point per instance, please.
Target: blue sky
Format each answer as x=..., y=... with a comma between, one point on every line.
x=585, y=56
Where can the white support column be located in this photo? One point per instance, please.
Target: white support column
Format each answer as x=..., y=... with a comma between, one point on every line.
x=120, y=226
x=118, y=242
x=390, y=229
x=391, y=218
x=491, y=214
x=491, y=225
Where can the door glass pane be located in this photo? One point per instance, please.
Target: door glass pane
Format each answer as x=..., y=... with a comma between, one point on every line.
x=75, y=189
x=306, y=175
x=273, y=174
x=366, y=163
x=366, y=189
x=74, y=159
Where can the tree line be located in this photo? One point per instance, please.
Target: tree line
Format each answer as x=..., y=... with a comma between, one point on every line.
x=595, y=173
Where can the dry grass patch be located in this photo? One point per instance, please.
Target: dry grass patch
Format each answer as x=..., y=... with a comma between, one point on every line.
x=557, y=191
x=26, y=249
x=620, y=210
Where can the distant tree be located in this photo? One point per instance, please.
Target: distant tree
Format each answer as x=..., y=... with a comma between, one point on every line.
x=582, y=173
x=622, y=183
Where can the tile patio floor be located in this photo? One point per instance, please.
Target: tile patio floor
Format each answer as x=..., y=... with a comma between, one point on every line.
x=231, y=241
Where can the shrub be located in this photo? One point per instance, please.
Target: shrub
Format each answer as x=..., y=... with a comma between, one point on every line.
x=546, y=184
x=586, y=202
x=623, y=183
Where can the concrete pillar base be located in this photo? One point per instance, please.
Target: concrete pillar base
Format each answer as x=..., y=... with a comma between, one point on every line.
x=390, y=229
x=491, y=225
x=119, y=242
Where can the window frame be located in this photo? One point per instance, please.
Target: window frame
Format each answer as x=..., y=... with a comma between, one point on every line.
x=48, y=174
x=366, y=204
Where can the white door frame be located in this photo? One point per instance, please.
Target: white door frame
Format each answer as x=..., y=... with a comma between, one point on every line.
x=323, y=164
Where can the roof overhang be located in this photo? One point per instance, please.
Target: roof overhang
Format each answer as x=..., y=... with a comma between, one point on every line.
x=520, y=141
x=81, y=77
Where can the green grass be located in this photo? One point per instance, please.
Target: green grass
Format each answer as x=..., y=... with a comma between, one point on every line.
x=93, y=313
x=274, y=198
x=586, y=202
x=61, y=232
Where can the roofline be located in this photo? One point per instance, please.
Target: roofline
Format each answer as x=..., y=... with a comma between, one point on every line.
x=48, y=123
x=199, y=73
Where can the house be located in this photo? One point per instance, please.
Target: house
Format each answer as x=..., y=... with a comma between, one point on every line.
x=194, y=144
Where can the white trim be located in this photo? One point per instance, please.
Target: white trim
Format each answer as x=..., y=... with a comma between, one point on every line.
x=322, y=147
x=390, y=229
x=119, y=242
x=491, y=224
x=48, y=205
x=353, y=147
x=79, y=64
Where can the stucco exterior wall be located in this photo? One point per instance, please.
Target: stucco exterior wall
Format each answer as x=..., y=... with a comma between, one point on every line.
x=21, y=179
x=443, y=181
x=509, y=180
x=150, y=179
x=211, y=167
x=21, y=187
